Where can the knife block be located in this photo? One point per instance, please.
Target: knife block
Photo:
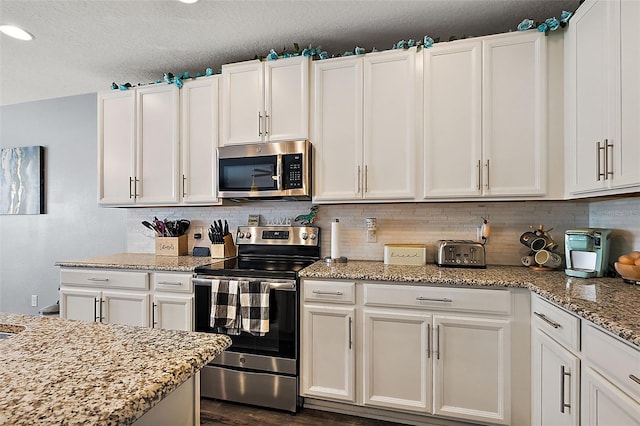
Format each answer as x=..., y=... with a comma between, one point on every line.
x=171, y=246
x=228, y=249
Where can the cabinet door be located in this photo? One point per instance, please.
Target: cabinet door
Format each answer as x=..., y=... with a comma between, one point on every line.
x=556, y=381
x=173, y=312
x=514, y=114
x=116, y=146
x=626, y=155
x=199, y=108
x=243, y=103
x=337, y=129
x=328, y=356
x=158, y=144
x=453, y=120
x=286, y=85
x=125, y=308
x=389, y=125
x=589, y=78
x=603, y=404
x=472, y=369
x=397, y=361
x=81, y=305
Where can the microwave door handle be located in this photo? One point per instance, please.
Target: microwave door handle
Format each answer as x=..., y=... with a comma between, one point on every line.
x=279, y=172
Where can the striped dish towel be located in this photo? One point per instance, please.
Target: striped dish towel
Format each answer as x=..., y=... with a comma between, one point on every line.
x=224, y=306
x=254, y=307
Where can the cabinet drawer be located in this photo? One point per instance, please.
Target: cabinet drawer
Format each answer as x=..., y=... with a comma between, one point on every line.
x=329, y=292
x=617, y=361
x=558, y=324
x=172, y=282
x=104, y=278
x=424, y=297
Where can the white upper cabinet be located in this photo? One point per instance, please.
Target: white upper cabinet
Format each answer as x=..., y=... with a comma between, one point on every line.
x=138, y=146
x=158, y=153
x=485, y=117
x=116, y=146
x=602, y=63
x=364, y=127
x=200, y=132
x=265, y=101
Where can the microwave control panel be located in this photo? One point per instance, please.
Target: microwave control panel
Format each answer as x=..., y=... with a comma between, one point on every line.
x=292, y=171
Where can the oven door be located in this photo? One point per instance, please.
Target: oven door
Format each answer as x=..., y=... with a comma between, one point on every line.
x=280, y=341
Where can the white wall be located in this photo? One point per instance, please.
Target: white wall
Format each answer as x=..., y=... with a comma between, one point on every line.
x=623, y=216
x=73, y=226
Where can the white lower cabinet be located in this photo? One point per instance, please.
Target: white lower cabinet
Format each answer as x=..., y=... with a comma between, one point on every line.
x=125, y=297
x=422, y=350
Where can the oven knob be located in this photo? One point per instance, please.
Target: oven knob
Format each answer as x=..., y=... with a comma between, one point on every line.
x=305, y=235
x=242, y=360
x=312, y=236
x=248, y=235
x=240, y=234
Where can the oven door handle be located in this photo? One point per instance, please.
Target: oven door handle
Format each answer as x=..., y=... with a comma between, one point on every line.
x=275, y=285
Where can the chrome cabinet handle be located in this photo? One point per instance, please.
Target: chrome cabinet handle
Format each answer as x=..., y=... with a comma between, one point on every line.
x=332, y=293
x=544, y=318
x=428, y=340
x=169, y=283
x=350, y=334
x=130, y=192
x=267, y=124
x=101, y=316
x=153, y=315
x=599, y=173
x=634, y=378
x=135, y=188
x=563, y=374
x=184, y=191
x=607, y=172
x=259, y=123
x=95, y=310
x=487, y=184
x=431, y=299
x=479, y=181
x=359, y=183
x=438, y=339
x=366, y=179
x=98, y=279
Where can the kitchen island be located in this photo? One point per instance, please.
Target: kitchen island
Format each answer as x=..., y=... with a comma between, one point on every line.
x=56, y=371
x=608, y=302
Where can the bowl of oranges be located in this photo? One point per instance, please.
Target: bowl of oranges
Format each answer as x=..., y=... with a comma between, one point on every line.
x=628, y=266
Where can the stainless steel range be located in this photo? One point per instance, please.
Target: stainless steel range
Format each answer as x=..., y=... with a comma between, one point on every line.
x=259, y=370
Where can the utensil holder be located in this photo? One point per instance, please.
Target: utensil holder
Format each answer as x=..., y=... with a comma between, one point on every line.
x=172, y=246
x=228, y=249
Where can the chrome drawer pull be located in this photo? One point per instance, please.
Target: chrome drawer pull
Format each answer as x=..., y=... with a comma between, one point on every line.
x=169, y=283
x=332, y=293
x=431, y=299
x=98, y=279
x=428, y=340
x=563, y=373
x=544, y=318
x=634, y=378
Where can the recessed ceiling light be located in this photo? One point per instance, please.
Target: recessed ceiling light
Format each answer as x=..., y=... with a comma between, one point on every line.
x=16, y=32
x=188, y=1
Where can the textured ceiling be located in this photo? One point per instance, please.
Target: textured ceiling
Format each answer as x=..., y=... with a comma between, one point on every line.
x=82, y=46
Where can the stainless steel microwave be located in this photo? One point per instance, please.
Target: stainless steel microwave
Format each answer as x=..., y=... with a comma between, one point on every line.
x=267, y=170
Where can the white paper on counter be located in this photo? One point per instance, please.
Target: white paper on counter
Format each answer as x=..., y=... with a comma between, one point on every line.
x=335, y=239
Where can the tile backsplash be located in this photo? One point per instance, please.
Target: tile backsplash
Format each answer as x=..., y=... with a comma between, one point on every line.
x=405, y=223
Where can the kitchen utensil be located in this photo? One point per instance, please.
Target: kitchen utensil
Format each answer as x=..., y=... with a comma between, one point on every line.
x=150, y=226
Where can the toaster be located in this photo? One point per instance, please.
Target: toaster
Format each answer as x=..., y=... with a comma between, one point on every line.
x=460, y=253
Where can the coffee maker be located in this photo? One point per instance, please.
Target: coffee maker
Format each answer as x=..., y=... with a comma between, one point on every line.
x=587, y=252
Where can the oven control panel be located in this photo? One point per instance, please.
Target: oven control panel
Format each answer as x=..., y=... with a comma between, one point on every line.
x=279, y=235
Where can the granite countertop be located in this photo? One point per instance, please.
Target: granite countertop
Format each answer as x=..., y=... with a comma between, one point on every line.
x=141, y=261
x=608, y=302
x=55, y=371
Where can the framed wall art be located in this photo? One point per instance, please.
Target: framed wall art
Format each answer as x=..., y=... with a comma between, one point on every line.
x=22, y=180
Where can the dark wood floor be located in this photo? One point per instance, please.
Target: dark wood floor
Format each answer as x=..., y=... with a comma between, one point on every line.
x=214, y=412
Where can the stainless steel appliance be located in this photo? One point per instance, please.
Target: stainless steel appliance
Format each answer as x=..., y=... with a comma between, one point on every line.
x=260, y=370
x=587, y=252
x=460, y=253
x=272, y=170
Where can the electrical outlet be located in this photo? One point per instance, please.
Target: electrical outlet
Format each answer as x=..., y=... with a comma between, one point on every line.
x=34, y=300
